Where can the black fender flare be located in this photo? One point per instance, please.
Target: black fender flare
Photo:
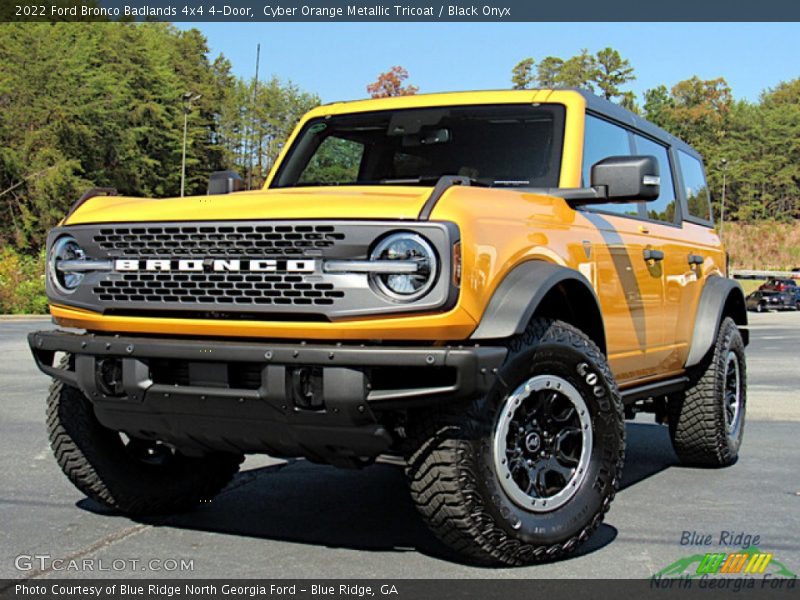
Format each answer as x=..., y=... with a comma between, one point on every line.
x=522, y=291
x=720, y=296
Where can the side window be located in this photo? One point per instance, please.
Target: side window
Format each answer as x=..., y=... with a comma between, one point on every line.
x=336, y=159
x=601, y=140
x=663, y=208
x=694, y=182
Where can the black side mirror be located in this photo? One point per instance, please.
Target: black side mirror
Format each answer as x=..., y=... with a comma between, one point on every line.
x=627, y=178
x=224, y=182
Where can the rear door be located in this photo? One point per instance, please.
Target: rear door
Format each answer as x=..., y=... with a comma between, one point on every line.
x=692, y=251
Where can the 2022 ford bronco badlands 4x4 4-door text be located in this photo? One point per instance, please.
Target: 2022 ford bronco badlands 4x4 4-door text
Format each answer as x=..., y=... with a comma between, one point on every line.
x=485, y=284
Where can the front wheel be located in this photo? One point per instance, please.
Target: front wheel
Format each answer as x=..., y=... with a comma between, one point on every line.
x=129, y=475
x=527, y=472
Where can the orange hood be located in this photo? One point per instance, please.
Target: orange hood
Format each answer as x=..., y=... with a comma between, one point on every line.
x=342, y=202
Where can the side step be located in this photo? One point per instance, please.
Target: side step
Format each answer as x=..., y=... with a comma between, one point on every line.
x=658, y=388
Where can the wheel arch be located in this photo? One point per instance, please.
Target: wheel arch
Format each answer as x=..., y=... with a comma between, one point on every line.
x=536, y=288
x=721, y=297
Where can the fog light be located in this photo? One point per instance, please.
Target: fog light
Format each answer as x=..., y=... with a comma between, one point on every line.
x=109, y=377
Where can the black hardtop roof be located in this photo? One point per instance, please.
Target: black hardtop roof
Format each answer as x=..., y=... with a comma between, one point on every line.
x=616, y=112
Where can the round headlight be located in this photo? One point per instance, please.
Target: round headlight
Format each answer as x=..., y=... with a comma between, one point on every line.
x=65, y=248
x=410, y=247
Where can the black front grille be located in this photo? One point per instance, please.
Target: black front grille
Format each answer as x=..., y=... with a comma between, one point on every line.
x=255, y=269
x=216, y=240
x=201, y=240
x=217, y=288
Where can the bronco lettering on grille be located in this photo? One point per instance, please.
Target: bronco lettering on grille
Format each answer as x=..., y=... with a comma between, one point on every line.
x=265, y=265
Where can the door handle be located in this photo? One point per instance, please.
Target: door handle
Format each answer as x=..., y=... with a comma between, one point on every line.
x=653, y=255
x=695, y=259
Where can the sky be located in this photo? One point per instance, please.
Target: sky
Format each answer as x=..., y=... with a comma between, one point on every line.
x=338, y=60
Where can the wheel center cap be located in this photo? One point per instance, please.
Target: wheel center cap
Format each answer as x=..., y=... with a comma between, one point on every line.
x=533, y=442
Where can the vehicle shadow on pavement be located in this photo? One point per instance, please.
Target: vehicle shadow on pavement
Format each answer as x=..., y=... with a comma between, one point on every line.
x=648, y=452
x=370, y=510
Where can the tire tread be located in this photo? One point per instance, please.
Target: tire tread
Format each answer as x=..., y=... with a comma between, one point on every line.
x=443, y=474
x=78, y=442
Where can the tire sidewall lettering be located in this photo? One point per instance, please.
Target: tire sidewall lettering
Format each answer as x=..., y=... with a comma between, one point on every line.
x=574, y=366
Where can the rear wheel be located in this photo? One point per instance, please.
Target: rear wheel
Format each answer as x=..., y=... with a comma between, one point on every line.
x=527, y=472
x=130, y=475
x=706, y=421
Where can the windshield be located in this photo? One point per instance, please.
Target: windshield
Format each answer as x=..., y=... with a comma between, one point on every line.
x=500, y=145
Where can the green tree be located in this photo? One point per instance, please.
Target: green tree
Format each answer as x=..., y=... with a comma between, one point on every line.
x=700, y=115
x=755, y=147
x=658, y=106
x=580, y=71
x=611, y=72
x=278, y=107
x=628, y=100
x=547, y=73
x=99, y=104
x=522, y=77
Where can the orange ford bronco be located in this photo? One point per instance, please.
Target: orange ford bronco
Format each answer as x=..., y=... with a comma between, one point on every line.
x=483, y=284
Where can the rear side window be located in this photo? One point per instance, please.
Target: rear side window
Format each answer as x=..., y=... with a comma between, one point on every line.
x=695, y=186
x=601, y=140
x=663, y=208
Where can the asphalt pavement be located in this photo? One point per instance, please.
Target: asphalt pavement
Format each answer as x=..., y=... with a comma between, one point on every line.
x=296, y=519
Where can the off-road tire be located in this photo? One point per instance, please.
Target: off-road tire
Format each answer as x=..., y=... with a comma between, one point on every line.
x=452, y=476
x=96, y=461
x=697, y=421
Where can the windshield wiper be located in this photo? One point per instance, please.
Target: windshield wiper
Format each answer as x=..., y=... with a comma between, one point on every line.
x=422, y=179
x=511, y=183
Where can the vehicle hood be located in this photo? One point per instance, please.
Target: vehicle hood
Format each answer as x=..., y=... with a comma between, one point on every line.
x=343, y=202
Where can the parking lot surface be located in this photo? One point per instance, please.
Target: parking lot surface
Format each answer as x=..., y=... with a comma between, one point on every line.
x=296, y=519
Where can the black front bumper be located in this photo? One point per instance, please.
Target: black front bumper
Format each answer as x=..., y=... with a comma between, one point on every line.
x=332, y=403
